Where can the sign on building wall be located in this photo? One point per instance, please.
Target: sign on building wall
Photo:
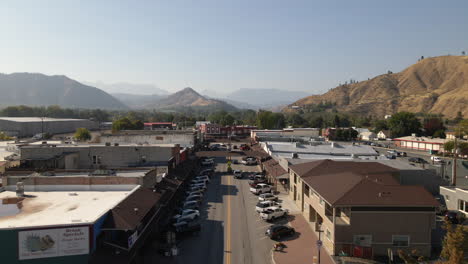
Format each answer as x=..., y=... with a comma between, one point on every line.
x=46, y=243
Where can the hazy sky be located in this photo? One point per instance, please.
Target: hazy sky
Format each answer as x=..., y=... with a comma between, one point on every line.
x=225, y=45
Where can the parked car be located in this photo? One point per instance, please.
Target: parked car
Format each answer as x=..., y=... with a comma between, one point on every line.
x=267, y=197
x=188, y=213
x=191, y=205
x=417, y=160
x=256, y=181
x=244, y=147
x=262, y=206
x=194, y=197
x=203, y=178
x=260, y=188
x=195, y=189
x=196, y=181
x=402, y=154
x=237, y=174
x=388, y=156
x=199, y=185
x=235, y=161
x=199, y=192
x=207, y=162
x=183, y=228
x=436, y=159
x=455, y=217
x=208, y=172
x=279, y=231
x=273, y=213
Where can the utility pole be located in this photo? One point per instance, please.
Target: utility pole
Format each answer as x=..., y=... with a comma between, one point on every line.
x=454, y=165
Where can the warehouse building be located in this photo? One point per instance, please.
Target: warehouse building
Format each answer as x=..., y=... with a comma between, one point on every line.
x=98, y=156
x=185, y=138
x=30, y=126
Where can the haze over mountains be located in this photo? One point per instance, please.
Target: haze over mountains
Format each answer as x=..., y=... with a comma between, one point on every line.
x=432, y=85
x=35, y=89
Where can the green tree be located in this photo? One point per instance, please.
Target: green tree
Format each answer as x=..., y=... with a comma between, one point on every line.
x=449, y=145
x=380, y=125
x=404, y=124
x=4, y=136
x=228, y=120
x=82, y=134
x=336, y=121
x=439, y=134
x=453, y=244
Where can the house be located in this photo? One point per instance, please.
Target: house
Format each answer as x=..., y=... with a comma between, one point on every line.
x=420, y=143
x=455, y=198
x=351, y=202
x=384, y=134
x=367, y=135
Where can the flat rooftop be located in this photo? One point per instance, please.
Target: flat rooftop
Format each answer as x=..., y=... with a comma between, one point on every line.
x=40, y=209
x=39, y=119
x=320, y=148
x=83, y=145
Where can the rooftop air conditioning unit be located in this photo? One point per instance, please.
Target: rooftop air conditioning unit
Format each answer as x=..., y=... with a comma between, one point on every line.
x=108, y=144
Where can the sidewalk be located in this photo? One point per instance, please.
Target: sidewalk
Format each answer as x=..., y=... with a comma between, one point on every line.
x=303, y=248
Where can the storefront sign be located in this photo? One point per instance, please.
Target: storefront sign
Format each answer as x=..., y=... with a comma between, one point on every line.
x=46, y=243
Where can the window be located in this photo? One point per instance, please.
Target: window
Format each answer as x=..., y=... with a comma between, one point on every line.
x=306, y=190
x=328, y=234
x=295, y=178
x=447, y=197
x=159, y=138
x=96, y=159
x=322, y=202
x=363, y=240
x=400, y=240
x=463, y=205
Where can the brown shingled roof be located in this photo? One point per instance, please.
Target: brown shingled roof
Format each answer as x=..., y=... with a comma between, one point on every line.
x=348, y=183
x=327, y=166
x=125, y=217
x=273, y=168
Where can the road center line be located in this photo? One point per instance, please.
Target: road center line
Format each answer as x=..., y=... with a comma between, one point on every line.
x=228, y=223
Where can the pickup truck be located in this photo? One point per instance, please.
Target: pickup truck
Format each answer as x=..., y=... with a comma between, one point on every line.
x=272, y=213
x=260, y=188
x=263, y=206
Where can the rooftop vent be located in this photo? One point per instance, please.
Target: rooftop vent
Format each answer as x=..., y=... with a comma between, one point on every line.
x=116, y=144
x=108, y=144
x=295, y=155
x=384, y=194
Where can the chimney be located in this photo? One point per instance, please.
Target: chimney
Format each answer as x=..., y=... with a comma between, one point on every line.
x=20, y=189
x=332, y=144
x=108, y=144
x=295, y=155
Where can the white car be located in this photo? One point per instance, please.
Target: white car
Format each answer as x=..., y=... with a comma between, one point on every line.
x=199, y=192
x=199, y=181
x=263, y=206
x=260, y=188
x=237, y=174
x=207, y=162
x=436, y=159
x=191, y=213
x=273, y=212
x=203, y=178
x=267, y=197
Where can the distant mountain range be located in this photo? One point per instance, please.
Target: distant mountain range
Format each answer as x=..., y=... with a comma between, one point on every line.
x=433, y=85
x=128, y=88
x=264, y=98
x=188, y=98
x=35, y=89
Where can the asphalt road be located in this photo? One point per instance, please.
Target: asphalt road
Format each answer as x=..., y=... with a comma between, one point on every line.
x=232, y=231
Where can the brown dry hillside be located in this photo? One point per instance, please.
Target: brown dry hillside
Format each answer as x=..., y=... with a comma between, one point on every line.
x=433, y=85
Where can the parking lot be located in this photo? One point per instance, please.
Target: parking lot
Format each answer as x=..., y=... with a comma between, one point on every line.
x=231, y=230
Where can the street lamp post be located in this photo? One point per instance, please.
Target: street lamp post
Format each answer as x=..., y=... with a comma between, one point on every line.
x=319, y=243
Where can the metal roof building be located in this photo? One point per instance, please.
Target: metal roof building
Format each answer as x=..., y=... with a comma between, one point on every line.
x=30, y=126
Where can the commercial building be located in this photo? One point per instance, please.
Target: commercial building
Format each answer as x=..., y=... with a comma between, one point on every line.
x=286, y=134
x=160, y=126
x=53, y=227
x=30, y=126
x=317, y=150
x=351, y=202
x=184, y=138
x=420, y=143
x=99, y=180
x=98, y=156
